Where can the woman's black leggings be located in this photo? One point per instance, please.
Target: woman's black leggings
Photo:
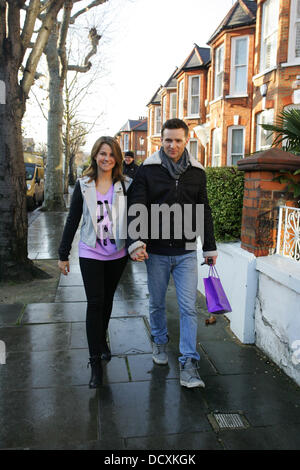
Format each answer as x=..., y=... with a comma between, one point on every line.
x=100, y=279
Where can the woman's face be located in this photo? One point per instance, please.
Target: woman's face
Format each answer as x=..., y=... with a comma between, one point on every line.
x=105, y=159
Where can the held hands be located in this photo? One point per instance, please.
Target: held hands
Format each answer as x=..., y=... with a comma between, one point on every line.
x=64, y=267
x=139, y=254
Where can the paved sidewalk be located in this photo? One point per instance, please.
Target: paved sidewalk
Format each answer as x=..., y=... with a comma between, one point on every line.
x=45, y=402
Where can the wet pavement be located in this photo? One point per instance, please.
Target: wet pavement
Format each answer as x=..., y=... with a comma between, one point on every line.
x=45, y=402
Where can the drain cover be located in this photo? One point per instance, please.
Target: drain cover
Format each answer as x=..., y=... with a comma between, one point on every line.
x=228, y=421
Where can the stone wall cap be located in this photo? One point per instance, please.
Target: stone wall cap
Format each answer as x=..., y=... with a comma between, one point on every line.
x=273, y=159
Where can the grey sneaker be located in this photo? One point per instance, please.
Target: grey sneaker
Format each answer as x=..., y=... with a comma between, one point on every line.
x=159, y=353
x=189, y=375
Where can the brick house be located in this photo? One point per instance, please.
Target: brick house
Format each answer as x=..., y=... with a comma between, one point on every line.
x=230, y=86
x=276, y=79
x=133, y=136
x=154, y=119
x=191, y=91
x=249, y=73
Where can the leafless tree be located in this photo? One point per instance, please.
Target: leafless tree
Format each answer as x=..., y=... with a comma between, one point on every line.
x=58, y=67
x=19, y=44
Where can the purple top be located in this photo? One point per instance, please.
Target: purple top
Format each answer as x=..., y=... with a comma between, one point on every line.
x=105, y=249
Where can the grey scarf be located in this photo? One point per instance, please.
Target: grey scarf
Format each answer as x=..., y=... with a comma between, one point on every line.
x=175, y=169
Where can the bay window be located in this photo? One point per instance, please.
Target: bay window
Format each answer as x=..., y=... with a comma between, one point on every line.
x=219, y=71
x=270, y=16
x=239, y=65
x=194, y=96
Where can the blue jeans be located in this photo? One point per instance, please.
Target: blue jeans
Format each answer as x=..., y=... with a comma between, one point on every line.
x=185, y=274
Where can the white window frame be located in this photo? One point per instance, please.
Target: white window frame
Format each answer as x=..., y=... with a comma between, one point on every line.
x=259, y=129
x=157, y=120
x=190, y=96
x=173, y=109
x=164, y=108
x=180, y=99
x=233, y=67
x=265, y=38
x=229, y=146
x=219, y=72
x=189, y=147
x=126, y=142
x=294, y=23
x=216, y=162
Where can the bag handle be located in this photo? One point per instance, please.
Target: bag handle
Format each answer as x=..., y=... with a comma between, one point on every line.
x=213, y=270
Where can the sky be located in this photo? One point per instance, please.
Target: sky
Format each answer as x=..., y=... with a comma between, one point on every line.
x=142, y=43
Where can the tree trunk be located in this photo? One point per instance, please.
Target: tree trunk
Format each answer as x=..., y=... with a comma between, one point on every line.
x=13, y=227
x=54, y=200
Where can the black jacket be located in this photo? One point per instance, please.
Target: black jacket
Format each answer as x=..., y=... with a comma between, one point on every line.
x=130, y=170
x=154, y=185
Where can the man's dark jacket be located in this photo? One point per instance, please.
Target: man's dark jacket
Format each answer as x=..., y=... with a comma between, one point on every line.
x=154, y=185
x=130, y=170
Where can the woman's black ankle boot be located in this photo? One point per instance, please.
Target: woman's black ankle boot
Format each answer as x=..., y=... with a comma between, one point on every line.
x=96, y=376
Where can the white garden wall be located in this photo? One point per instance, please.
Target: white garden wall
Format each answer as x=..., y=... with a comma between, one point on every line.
x=264, y=294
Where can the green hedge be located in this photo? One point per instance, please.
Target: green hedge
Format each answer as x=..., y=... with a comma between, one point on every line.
x=225, y=189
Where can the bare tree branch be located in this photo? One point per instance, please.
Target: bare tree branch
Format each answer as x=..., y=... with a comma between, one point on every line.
x=40, y=43
x=94, y=38
x=84, y=10
x=29, y=24
x=63, y=37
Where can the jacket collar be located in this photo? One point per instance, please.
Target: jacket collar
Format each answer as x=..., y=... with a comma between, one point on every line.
x=155, y=159
x=91, y=184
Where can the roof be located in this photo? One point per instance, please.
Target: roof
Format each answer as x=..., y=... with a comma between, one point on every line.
x=243, y=13
x=155, y=98
x=134, y=125
x=198, y=58
x=172, y=82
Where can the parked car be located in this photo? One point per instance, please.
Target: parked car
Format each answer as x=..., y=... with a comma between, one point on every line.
x=34, y=167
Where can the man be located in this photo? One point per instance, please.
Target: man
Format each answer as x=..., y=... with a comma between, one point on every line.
x=171, y=176
x=129, y=167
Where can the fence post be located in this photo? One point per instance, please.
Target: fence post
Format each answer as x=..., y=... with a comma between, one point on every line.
x=263, y=196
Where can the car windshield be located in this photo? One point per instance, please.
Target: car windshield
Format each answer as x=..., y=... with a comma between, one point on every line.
x=29, y=167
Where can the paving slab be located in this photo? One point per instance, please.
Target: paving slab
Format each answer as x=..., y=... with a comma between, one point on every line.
x=278, y=437
x=129, y=336
x=264, y=399
x=229, y=357
x=10, y=313
x=51, y=337
x=140, y=409
x=59, y=312
x=48, y=369
x=188, y=441
x=46, y=417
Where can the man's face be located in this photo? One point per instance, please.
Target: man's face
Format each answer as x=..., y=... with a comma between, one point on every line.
x=128, y=160
x=173, y=142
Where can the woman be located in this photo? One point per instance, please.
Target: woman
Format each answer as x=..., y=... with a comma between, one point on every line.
x=100, y=198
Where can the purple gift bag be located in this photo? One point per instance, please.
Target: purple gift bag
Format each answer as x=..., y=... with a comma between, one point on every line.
x=216, y=299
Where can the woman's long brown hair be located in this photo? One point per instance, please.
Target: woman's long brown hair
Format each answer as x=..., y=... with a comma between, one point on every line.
x=117, y=172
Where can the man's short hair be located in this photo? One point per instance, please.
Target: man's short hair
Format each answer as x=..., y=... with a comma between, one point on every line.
x=129, y=153
x=175, y=123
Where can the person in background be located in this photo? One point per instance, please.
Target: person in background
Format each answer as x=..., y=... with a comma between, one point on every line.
x=97, y=198
x=129, y=167
x=172, y=177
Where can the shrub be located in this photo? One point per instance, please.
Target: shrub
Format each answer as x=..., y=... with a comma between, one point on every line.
x=225, y=189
